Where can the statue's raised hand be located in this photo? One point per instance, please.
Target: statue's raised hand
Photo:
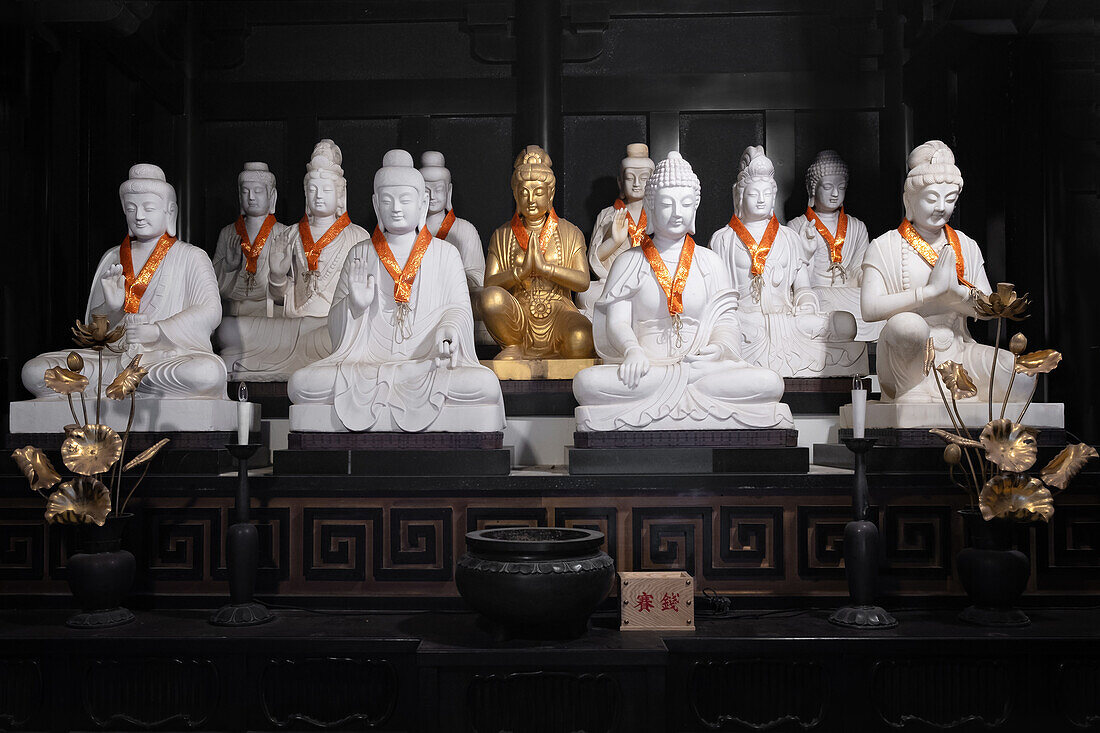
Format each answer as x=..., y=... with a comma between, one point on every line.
x=620, y=229
x=233, y=253
x=114, y=287
x=361, y=287
x=634, y=367
x=279, y=261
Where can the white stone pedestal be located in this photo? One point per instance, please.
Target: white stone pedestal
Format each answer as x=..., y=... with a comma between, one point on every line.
x=153, y=415
x=974, y=414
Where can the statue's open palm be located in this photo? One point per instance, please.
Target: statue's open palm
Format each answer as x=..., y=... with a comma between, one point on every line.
x=619, y=228
x=279, y=262
x=114, y=287
x=361, y=286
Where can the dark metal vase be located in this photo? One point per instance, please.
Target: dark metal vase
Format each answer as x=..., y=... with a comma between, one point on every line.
x=242, y=546
x=861, y=553
x=535, y=582
x=993, y=574
x=100, y=574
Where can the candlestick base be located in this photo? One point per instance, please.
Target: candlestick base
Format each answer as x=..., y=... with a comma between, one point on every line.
x=863, y=617
x=241, y=614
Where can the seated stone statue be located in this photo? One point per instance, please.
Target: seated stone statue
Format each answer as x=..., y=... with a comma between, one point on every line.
x=920, y=279
x=783, y=326
x=241, y=255
x=404, y=357
x=304, y=267
x=620, y=226
x=448, y=227
x=666, y=327
x=534, y=264
x=166, y=294
x=835, y=239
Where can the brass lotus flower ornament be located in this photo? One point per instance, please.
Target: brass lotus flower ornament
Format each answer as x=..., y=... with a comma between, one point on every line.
x=957, y=381
x=65, y=381
x=1015, y=497
x=91, y=449
x=1010, y=446
x=929, y=355
x=74, y=361
x=97, y=334
x=127, y=381
x=84, y=500
x=1067, y=464
x=1038, y=362
x=36, y=467
x=1002, y=303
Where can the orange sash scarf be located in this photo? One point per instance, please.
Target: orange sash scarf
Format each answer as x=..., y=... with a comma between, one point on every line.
x=929, y=254
x=445, y=227
x=402, y=278
x=548, y=229
x=252, y=250
x=313, y=249
x=135, y=286
x=835, y=242
x=636, y=231
x=758, y=252
x=672, y=285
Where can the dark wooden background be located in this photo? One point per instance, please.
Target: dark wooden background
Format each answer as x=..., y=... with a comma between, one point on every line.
x=87, y=89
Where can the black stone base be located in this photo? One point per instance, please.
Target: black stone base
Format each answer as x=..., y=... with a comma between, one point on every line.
x=894, y=459
x=818, y=395
x=705, y=460
x=527, y=397
x=777, y=438
x=241, y=614
x=863, y=617
x=394, y=462
x=923, y=438
x=270, y=396
x=186, y=453
x=396, y=441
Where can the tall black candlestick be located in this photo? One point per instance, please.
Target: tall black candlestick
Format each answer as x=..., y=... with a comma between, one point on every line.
x=861, y=552
x=242, y=545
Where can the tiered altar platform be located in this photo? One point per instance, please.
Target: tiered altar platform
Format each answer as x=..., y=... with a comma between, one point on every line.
x=781, y=670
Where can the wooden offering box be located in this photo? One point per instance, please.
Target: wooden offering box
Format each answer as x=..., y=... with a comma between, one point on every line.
x=656, y=600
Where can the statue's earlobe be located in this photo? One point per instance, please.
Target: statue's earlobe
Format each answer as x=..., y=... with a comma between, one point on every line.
x=649, y=228
x=273, y=197
x=173, y=213
x=424, y=199
x=450, y=191
x=377, y=213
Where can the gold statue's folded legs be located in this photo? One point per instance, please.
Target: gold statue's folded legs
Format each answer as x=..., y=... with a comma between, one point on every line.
x=508, y=322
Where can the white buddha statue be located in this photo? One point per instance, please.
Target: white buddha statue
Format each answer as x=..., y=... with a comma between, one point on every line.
x=164, y=291
x=666, y=328
x=782, y=323
x=303, y=269
x=241, y=255
x=621, y=225
x=921, y=279
x=403, y=329
x=443, y=223
x=836, y=241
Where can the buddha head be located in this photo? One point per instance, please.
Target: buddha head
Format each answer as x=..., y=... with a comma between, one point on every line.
x=634, y=171
x=533, y=184
x=755, y=188
x=932, y=186
x=325, y=187
x=827, y=182
x=672, y=196
x=149, y=203
x=437, y=179
x=256, y=188
x=400, y=197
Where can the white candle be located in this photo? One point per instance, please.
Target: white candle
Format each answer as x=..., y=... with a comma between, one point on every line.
x=244, y=415
x=859, y=409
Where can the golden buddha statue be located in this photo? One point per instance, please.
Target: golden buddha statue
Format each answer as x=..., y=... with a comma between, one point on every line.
x=534, y=265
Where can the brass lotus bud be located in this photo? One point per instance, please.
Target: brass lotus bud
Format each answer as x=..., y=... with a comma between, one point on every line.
x=74, y=361
x=952, y=454
x=1018, y=344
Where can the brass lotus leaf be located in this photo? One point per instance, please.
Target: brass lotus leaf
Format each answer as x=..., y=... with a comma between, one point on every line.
x=957, y=380
x=74, y=361
x=1009, y=445
x=65, y=381
x=1067, y=464
x=146, y=455
x=1037, y=362
x=91, y=449
x=955, y=439
x=36, y=467
x=929, y=356
x=127, y=381
x=1015, y=497
x=97, y=334
x=83, y=500
x=1002, y=303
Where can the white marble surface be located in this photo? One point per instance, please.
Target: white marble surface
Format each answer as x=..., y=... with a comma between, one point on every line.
x=51, y=414
x=934, y=415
